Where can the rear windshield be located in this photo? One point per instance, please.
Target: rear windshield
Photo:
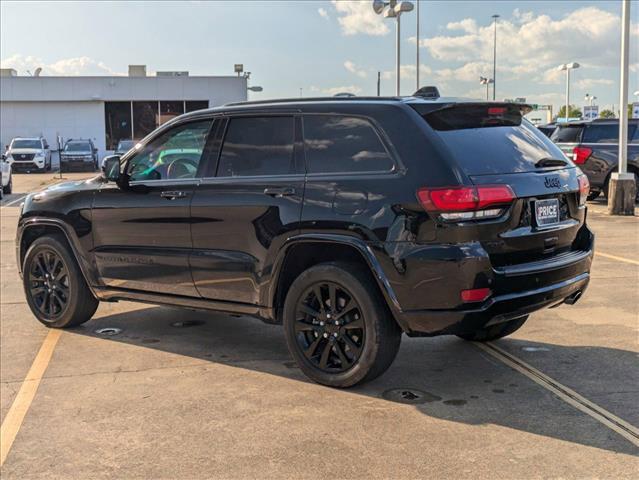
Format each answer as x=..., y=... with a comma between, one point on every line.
x=606, y=133
x=566, y=134
x=485, y=140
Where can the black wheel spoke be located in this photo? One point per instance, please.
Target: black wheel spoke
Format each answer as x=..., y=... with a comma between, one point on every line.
x=350, y=305
x=45, y=300
x=332, y=296
x=308, y=310
x=304, y=327
x=351, y=345
x=356, y=323
x=310, y=351
x=344, y=362
x=317, y=291
x=323, y=363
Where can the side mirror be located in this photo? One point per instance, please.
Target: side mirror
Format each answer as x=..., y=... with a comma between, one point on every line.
x=111, y=168
x=4, y=157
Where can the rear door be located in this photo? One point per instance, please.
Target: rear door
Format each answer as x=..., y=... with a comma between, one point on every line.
x=247, y=206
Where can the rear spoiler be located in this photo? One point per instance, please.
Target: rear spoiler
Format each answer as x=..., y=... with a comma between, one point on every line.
x=464, y=115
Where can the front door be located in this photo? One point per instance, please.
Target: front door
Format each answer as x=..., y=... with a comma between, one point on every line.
x=247, y=208
x=142, y=234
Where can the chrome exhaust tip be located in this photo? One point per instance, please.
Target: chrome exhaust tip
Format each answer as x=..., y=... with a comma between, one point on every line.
x=572, y=299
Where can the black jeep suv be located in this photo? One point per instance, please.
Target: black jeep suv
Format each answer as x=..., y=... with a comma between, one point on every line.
x=348, y=220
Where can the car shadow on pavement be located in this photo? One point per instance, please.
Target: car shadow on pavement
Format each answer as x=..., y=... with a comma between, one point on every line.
x=452, y=379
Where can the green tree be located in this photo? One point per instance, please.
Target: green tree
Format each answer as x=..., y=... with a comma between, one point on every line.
x=573, y=112
x=606, y=114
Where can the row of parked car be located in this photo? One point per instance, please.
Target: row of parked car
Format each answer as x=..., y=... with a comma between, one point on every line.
x=33, y=154
x=594, y=146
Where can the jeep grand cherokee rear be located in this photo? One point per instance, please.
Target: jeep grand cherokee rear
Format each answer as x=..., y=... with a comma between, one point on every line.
x=350, y=221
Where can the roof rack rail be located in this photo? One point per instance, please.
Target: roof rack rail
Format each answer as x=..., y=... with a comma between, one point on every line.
x=312, y=99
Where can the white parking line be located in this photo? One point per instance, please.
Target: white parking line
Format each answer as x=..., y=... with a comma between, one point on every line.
x=623, y=428
x=15, y=200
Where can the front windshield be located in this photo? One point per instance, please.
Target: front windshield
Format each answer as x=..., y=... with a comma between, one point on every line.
x=26, y=143
x=77, y=147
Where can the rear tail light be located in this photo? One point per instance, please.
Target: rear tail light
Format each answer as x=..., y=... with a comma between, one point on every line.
x=475, y=295
x=584, y=189
x=466, y=203
x=581, y=154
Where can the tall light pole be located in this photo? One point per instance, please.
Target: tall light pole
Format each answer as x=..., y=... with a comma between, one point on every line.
x=623, y=188
x=486, y=81
x=394, y=9
x=590, y=98
x=494, y=17
x=567, y=67
x=417, y=54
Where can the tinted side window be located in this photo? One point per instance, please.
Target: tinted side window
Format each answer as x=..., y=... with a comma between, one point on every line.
x=256, y=146
x=605, y=133
x=336, y=143
x=174, y=155
x=566, y=134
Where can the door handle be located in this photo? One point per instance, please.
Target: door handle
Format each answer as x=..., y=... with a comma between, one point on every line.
x=172, y=195
x=279, y=192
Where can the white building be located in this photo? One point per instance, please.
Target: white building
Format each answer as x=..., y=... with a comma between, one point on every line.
x=106, y=109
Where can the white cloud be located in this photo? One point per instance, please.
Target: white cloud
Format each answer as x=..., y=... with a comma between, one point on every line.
x=358, y=17
x=334, y=90
x=63, y=67
x=533, y=44
x=351, y=67
x=593, y=82
x=323, y=13
x=407, y=71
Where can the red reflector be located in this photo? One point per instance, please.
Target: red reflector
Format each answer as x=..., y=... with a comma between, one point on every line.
x=475, y=295
x=584, y=189
x=581, y=154
x=496, y=110
x=463, y=199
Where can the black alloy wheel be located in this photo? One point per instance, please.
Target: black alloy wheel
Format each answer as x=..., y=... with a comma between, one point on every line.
x=49, y=284
x=330, y=327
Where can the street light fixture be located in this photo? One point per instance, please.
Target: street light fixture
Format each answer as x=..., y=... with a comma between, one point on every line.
x=256, y=88
x=567, y=67
x=393, y=9
x=590, y=98
x=487, y=82
x=494, y=17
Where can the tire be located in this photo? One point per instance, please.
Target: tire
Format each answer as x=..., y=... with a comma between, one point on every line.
x=8, y=188
x=593, y=195
x=495, y=332
x=356, y=354
x=64, y=281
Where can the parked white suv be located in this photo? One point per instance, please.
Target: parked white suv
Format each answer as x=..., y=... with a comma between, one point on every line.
x=6, y=179
x=29, y=154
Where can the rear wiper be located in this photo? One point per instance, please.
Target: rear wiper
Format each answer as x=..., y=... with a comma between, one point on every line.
x=551, y=162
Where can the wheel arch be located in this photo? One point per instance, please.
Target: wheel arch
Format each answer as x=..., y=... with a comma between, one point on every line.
x=34, y=228
x=303, y=251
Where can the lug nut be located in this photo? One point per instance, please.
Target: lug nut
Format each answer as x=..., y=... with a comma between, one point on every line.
x=335, y=334
x=326, y=335
x=336, y=322
x=321, y=324
x=328, y=315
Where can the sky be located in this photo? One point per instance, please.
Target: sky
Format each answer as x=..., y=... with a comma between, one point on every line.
x=324, y=47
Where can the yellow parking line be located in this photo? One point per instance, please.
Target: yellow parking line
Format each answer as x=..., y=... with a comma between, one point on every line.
x=614, y=423
x=22, y=402
x=614, y=257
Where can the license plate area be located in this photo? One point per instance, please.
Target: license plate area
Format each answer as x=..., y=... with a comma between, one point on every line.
x=547, y=212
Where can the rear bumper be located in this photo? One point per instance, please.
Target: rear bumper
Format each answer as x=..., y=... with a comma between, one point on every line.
x=429, y=297
x=496, y=310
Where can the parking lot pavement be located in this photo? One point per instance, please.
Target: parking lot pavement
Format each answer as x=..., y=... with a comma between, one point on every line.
x=222, y=397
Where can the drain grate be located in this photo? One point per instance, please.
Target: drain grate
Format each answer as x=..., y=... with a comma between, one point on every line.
x=109, y=331
x=187, y=323
x=409, y=395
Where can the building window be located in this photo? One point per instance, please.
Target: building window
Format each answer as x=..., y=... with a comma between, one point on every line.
x=193, y=105
x=117, y=123
x=145, y=118
x=170, y=109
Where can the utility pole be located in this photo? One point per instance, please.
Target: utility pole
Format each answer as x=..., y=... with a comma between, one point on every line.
x=623, y=189
x=417, y=59
x=379, y=76
x=495, y=17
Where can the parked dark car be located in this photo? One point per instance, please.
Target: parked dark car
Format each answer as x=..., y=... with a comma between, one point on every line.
x=347, y=220
x=124, y=146
x=80, y=154
x=547, y=129
x=594, y=146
